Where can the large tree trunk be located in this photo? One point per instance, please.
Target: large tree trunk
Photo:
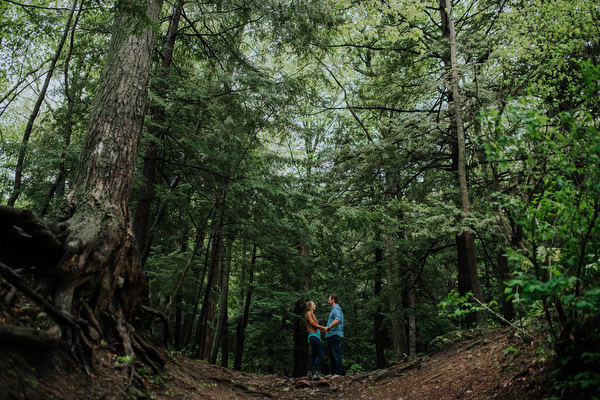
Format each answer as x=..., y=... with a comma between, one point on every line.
x=101, y=263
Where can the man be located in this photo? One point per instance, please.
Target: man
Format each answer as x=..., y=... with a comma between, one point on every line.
x=334, y=334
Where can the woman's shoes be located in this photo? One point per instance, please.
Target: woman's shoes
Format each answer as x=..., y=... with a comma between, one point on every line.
x=316, y=376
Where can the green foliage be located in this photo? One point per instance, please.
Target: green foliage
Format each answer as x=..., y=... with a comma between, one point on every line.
x=558, y=263
x=458, y=307
x=123, y=360
x=355, y=368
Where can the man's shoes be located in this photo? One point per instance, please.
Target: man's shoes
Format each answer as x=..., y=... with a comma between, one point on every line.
x=309, y=375
x=317, y=376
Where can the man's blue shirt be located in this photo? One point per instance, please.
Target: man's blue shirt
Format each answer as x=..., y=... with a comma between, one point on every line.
x=336, y=313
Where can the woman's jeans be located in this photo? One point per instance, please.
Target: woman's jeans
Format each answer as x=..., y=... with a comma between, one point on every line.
x=316, y=353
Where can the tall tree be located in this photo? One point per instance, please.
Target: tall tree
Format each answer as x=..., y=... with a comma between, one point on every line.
x=467, y=260
x=101, y=264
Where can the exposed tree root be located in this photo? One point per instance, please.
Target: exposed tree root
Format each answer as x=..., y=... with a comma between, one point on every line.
x=150, y=355
x=76, y=325
x=14, y=279
x=164, y=319
x=94, y=274
x=30, y=337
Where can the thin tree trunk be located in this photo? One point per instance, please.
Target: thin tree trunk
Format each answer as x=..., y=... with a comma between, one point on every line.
x=210, y=300
x=462, y=172
x=240, y=331
x=378, y=317
x=188, y=331
x=198, y=244
x=301, y=346
x=146, y=193
x=464, y=280
x=12, y=92
x=223, y=304
x=145, y=251
x=60, y=177
x=36, y=109
x=395, y=298
x=225, y=347
x=395, y=289
x=508, y=309
x=412, y=320
x=205, y=326
x=178, y=323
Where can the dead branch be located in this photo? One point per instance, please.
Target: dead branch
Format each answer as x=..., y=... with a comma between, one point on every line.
x=503, y=319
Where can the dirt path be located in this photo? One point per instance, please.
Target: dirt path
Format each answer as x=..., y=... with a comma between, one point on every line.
x=497, y=365
x=475, y=366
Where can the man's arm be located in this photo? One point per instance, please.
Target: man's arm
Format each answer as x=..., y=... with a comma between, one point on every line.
x=333, y=324
x=336, y=319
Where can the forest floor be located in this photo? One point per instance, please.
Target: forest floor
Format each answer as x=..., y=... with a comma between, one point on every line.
x=497, y=364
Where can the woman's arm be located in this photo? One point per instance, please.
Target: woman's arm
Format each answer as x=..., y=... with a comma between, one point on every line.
x=312, y=320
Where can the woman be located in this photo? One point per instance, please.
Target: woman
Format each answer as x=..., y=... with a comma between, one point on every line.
x=314, y=338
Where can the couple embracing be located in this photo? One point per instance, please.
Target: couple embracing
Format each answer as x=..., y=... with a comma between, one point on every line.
x=334, y=332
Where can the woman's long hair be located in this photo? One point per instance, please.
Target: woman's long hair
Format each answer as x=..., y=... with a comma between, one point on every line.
x=308, y=306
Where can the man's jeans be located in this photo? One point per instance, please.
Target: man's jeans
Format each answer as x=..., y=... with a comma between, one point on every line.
x=335, y=354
